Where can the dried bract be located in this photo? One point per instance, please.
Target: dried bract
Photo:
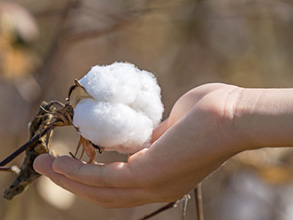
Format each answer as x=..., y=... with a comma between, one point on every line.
x=27, y=174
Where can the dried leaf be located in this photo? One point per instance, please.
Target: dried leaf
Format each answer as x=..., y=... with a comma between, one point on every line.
x=40, y=130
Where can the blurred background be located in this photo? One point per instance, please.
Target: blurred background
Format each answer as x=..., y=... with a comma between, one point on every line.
x=45, y=45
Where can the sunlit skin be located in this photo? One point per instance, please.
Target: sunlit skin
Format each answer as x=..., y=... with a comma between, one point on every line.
x=206, y=126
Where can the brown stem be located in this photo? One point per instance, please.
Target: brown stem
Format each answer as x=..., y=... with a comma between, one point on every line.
x=164, y=208
x=8, y=169
x=26, y=146
x=198, y=202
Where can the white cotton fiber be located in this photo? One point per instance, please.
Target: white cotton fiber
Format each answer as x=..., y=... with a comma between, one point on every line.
x=125, y=108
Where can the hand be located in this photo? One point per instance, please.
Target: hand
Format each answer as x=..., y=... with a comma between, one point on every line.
x=195, y=140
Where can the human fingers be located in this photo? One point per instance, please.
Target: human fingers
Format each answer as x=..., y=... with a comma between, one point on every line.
x=43, y=163
x=159, y=130
x=106, y=197
x=181, y=107
x=115, y=174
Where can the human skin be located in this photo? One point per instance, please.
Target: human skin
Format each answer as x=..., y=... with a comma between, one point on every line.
x=207, y=125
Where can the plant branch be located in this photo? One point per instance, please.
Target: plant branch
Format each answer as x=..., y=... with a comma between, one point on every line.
x=164, y=208
x=14, y=169
x=26, y=146
x=198, y=202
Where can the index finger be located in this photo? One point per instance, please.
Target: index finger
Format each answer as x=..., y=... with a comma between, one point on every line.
x=116, y=174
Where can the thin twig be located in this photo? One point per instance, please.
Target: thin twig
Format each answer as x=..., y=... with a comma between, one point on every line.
x=14, y=169
x=184, y=205
x=174, y=204
x=198, y=202
x=26, y=146
x=164, y=208
x=8, y=169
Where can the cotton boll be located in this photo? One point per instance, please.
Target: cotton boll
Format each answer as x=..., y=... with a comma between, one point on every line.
x=114, y=126
x=148, y=98
x=114, y=83
x=122, y=109
x=153, y=111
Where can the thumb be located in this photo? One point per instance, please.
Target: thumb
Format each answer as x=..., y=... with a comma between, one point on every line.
x=159, y=130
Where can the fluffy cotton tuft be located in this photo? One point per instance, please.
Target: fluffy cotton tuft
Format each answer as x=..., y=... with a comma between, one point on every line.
x=125, y=108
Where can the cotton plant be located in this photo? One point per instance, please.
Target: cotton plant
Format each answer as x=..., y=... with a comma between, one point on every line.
x=113, y=107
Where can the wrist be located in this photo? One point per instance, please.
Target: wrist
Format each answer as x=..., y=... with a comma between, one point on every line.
x=262, y=118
